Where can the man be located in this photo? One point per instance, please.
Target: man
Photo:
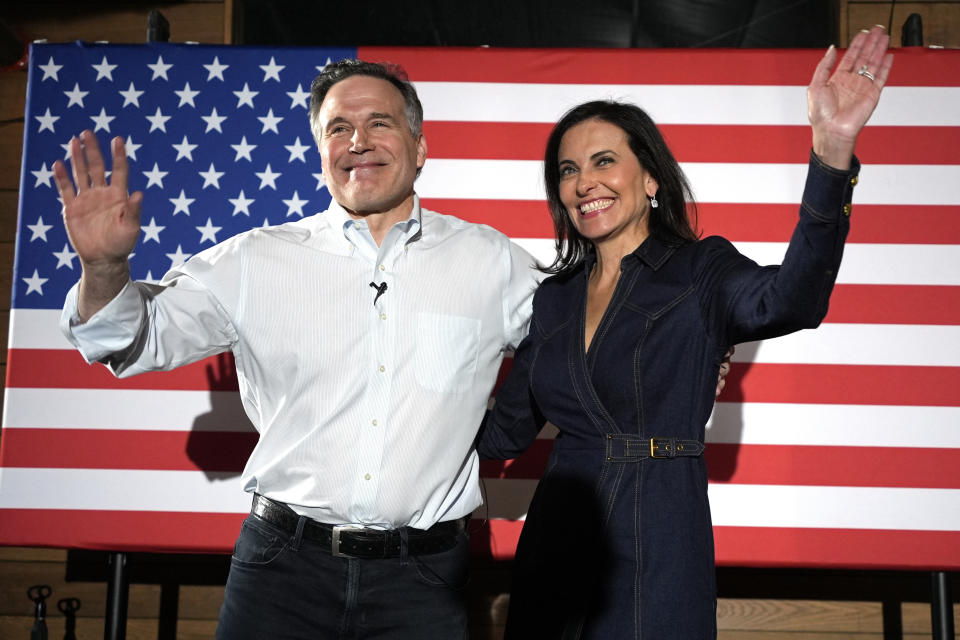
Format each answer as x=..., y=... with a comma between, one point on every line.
x=367, y=340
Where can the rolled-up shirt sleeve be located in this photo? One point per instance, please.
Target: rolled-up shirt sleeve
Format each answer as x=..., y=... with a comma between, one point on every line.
x=112, y=329
x=150, y=327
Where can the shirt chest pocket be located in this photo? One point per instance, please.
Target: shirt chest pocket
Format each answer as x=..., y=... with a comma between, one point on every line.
x=447, y=350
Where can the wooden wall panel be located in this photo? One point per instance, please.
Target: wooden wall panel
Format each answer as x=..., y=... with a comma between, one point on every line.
x=13, y=88
x=118, y=23
x=20, y=568
x=941, y=20
x=8, y=202
x=11, y=152
x=209, y=22
x=16, y=627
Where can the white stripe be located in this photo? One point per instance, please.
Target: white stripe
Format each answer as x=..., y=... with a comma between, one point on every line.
x=717, y=182
x=837, y=425
x=731, y=422
x=765, y=183
x=742, y=505
x=674, y=103
x=834, y=425
x=482, y=179
x=506, y=499
x=122, y=490
x=733, y=505
x=862, y=344
x=875, y=264
x=147, y=410
x=37, y=329
x=908, y=264
x=835, y=507
x=901, y=264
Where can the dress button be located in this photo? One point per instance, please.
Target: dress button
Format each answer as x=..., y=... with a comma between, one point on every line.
x=382, y=268
x=847, y=209
x=383, y=316
x=382, y=368
x=366, y=477
x=854, y=180
x=373, y=422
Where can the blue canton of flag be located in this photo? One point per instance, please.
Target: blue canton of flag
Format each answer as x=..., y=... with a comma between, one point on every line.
x=217, y=138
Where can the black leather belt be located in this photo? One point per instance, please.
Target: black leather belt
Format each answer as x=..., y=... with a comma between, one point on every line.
x=353, y=541
x=628, y=448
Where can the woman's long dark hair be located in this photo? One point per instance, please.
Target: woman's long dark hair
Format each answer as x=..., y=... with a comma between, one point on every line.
x=669, y=222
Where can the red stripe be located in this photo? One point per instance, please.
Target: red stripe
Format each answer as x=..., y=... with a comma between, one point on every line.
x=837, y=548
x=515, y=218
x=870, y=223
x=736, y=546
x=843, y=384
x=486, y=140
x=781, y=547
x=528, y=466
x=789, y=465
x=212, y=451
x=747, y=382
x=833, y=466
x=913, y=67
x=701, y=143
x=120, y=530
x=894, y=304
x=56, y=368
x=738, y=222
x=209, y=451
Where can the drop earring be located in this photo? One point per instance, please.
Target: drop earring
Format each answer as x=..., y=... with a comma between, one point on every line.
x=653, y=202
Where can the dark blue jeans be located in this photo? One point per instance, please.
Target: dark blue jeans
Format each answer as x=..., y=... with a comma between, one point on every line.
x=282, y=586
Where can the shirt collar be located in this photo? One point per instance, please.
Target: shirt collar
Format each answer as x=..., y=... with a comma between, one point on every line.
x=651, y=252
x=403, y=232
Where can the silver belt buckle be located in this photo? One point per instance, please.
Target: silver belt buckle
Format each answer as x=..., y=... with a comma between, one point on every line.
x=335, y=540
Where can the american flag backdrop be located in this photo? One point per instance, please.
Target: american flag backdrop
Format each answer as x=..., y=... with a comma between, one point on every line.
x=838, y=447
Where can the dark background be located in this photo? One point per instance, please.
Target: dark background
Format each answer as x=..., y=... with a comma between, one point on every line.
x=539, y=23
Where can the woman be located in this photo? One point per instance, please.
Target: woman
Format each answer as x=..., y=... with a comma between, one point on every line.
x=623, y=352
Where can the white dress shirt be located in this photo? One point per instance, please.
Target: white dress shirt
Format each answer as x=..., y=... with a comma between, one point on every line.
x=367, y=412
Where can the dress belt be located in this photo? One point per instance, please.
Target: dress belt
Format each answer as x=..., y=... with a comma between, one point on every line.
x=353, y=541
x=622, y=447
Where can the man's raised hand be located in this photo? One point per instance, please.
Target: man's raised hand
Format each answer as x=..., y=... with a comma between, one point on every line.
x=101, y=218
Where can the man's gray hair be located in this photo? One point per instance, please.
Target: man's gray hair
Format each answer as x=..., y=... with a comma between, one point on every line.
x=343, y=69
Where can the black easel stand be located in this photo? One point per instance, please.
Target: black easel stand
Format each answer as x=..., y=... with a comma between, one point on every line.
x=941, y=606
x=118, y=585
x=118, y=589
x=39, y=595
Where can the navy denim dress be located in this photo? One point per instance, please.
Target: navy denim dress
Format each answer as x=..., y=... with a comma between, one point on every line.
x=616, y=543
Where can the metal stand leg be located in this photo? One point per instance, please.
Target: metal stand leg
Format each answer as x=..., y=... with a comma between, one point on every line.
x=941, y=606
x=169, y=603
x=892, y=620
x=118, y=590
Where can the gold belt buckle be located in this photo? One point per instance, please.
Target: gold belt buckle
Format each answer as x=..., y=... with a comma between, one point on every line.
x=654, y=448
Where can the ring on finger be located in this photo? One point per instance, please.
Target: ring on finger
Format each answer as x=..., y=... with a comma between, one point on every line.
x=863, y=71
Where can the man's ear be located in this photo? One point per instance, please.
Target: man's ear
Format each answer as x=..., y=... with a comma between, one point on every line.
x=421, y=151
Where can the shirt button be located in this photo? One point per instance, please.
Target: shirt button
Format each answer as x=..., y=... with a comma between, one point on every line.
x=382, y=368
x=383, y=316
x=847, y=209
x=382, y=268
x=373, y=422
x=854, y=180
x=366, y=477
